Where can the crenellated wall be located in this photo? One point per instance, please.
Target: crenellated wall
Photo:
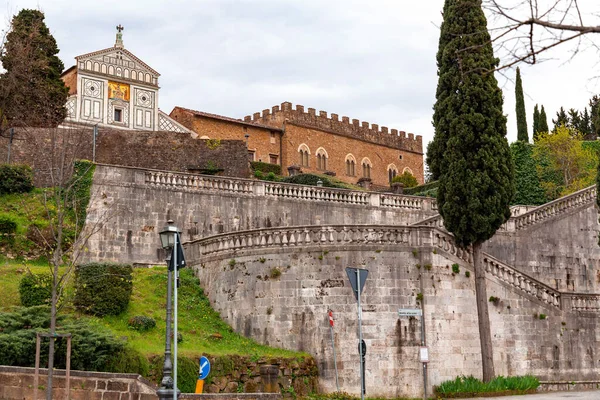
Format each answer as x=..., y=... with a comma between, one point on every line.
x=276, y=286
x=344, y=126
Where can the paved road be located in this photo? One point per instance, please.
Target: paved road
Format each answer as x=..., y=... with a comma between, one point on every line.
x=589, y=395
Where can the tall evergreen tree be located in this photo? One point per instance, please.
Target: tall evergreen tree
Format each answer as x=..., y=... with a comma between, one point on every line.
x=528, y=190
x=536, y=121
x=520, y=109
x=543, y=121
x=475, y=169
x=585, y=125
x=32, y=92
x=595, y=116
x=561, y=119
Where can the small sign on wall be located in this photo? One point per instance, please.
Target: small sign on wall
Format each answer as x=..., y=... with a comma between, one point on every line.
x=424, y=354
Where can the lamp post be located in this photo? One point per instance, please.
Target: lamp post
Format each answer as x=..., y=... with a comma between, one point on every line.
x=168, y=238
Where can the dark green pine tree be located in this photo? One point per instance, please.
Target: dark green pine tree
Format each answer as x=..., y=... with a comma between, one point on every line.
x=595, y=117
x=543, y=121
x=528, y=190
x=561, y=119
x=574, y=119
x=33, y=93
x=585, y=125
x=475, y=168
x=520, y=109
x=536, y=121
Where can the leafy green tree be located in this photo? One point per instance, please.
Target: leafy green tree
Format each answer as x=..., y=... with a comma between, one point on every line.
x=520, y=109
x=543, y=121
x=475, y=167
x=564, y=165
x=536, y=121
x=528, y=190
x=31, y=90
x=562, y=119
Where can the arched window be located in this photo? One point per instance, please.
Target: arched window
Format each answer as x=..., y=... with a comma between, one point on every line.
x=366, y=167
x=406, y=169
x=392, y=172
x=350, y=165
x=303, y=152
x=321, y=159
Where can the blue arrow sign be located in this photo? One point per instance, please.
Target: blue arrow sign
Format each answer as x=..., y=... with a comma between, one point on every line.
x=204, y=368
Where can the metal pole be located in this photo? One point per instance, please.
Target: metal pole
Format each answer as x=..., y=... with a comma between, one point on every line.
x=176, y=274
x=167, y=381
x=424, y=364
x=94, y=143
x=37, y=366
x=337, y=383
x=12, y=133
x=68, y=372
x=362, y=372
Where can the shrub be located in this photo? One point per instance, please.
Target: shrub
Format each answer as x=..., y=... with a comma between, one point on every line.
x=275, y=273
x=93, y=347
x=35, y=289
x=103, y=288
x=141, y=323
x=15, y=179
x=259, y=166
x=455, y=268
x=312, y=179
x=407, y=179
x=420, y=190
x=7, y=226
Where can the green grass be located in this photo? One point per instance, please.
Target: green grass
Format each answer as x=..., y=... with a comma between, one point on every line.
x=467, y=386
x=204, y=332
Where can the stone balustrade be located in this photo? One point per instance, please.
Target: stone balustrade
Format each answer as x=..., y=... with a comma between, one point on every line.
x=522, y=282
x=305, y=192
x=583, y=301
x=194, y=182
x=445, y=241
x=286, y=237
x=554, y=208
x=197, y=183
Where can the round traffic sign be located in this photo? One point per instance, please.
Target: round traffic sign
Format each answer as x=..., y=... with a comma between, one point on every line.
x=204, y=368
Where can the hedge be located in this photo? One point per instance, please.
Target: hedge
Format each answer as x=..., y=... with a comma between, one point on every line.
x=35, y=289
x=311, y=179
x=103, y=288
x=7, y=226
x=15, y=179
x=421, y=189
x=265, y=167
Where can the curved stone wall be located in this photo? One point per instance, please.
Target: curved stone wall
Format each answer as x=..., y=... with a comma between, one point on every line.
x=276, y=286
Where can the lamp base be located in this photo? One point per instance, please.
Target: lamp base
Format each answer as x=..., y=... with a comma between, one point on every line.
x=166, y=393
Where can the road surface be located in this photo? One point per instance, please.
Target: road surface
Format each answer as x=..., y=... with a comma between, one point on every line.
x=588, y=395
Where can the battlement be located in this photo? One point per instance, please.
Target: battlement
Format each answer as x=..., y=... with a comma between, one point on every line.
x=345, y=126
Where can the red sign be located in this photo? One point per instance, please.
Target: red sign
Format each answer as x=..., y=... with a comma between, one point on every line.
x=331, y=318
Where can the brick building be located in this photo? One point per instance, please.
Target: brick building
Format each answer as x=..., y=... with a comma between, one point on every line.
x=352, y=150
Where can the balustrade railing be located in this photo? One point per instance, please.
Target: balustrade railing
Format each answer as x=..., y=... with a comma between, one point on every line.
x=522, y=282
x=556, y=207
x=583, y=301
x=195, y=182
x=330, y=235
x=305, y=192
x=445, y=241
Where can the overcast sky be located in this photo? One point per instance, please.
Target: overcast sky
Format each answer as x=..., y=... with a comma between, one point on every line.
x=373, y=60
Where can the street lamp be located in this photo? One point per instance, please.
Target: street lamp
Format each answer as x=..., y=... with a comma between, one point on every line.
x=168, y=239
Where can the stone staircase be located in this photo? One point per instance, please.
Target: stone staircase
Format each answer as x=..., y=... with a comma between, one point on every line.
x=523, y=220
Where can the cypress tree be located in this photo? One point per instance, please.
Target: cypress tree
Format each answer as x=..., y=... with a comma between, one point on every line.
x=561, y=119
x=528, y=190
x=543, y=121
x=536, y=121
x=520, y=109
x=33, y=93
x=476, y=171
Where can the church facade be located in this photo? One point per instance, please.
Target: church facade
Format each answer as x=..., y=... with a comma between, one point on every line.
x=114, y=88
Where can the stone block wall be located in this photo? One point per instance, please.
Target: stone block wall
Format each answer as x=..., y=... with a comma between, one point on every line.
x=561, y=251
x=16, y=383
x=144, y=149
x=279, y=293
x=132, y=205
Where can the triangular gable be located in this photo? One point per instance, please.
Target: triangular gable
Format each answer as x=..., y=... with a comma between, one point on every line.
x=100, y=54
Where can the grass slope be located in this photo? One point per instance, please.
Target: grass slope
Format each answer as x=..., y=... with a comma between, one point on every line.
x=202, y=329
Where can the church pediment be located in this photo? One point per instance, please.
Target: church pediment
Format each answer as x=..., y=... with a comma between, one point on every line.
x=119, y=63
